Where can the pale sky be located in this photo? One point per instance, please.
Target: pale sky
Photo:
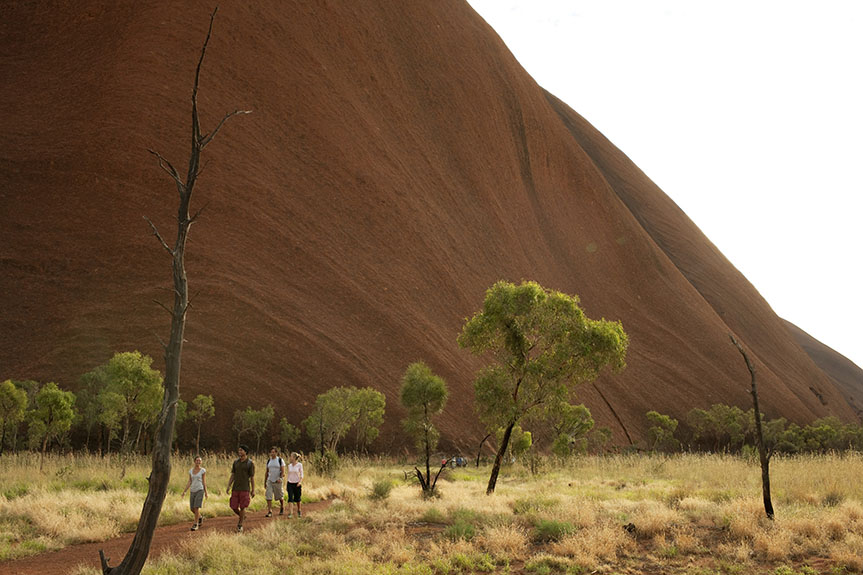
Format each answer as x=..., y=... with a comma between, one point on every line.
x=748, y=114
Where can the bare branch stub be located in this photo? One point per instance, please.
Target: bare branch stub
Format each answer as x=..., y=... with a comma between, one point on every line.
x=198, y=213
x=159, y=236
x=207, y=138
x=164, y=307
x=169, y=169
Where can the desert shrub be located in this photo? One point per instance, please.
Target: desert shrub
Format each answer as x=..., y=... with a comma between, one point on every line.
x=326, y=463
x=433, y=515
x=532, y=505
x=460, y=529
x=381, y=489
x=548, y=530
x=551, y=565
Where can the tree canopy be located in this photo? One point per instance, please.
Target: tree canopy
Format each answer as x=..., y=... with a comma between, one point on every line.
x=424, y=395
x=341, y=409
x=542, y=346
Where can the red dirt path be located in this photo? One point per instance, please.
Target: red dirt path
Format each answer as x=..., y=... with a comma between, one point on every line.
x=166, y=538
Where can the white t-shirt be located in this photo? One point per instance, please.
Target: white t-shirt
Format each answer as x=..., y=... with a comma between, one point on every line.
x=274, y=469
x=197, y=480
x=295, y=472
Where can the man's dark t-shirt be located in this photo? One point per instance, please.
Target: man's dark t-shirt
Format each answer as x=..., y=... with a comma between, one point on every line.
x=243, y=471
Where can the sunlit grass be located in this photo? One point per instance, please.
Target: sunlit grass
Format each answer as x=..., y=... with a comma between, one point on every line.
x=681, y=512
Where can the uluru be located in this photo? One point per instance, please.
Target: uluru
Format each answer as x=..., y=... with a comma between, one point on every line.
x=397, y=163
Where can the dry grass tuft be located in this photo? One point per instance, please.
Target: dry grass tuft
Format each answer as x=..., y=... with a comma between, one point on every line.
x=591, y=547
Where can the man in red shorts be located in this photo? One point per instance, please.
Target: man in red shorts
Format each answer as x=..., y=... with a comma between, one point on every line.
x=243, y=482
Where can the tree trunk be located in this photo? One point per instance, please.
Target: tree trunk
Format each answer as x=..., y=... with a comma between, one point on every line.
x=479, y=449
x=44, y=448
x=762, y=449
x=160, y=475
x=427, y=485
x=198, y=441
x=498, y=459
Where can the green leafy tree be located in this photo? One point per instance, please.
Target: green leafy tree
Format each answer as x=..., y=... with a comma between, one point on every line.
x=520, y=441
x=261, y=421
x=598, y=439
x=570, y=425
x=423, y=395
x=338, y=410
x=288, y=433
x=52, y=416
x=369, y=406
x=660, y=434
x=254, y=421
x=13, y=407
x=130, y=376
x=244, y=422
x=202, y=409
x=89, y=407
x=111, y=415
x=720, y=428
x=30, y=388
x=542, y=345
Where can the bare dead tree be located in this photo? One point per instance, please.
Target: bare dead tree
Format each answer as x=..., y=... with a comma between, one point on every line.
x=160, y=475
x=763, y=455
x=426, y=483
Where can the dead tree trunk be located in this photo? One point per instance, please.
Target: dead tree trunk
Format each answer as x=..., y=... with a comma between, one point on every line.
x=160, y=475
x=763, y=456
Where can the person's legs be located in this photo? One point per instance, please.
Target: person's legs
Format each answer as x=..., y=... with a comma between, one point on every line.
x=281, y=506
x=269, y=496
x=243, y=501
x=235, y=502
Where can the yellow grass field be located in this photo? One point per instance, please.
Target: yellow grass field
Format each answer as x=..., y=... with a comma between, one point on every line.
x=687, y=514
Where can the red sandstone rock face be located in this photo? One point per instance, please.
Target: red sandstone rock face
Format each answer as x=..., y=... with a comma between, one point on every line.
x=397, y=163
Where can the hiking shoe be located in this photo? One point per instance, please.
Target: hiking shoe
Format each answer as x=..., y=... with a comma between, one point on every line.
x=269, y=514
x=299, y=513
x=291, y=514
x=194, y=527
x=200, y=520
x=239, y=528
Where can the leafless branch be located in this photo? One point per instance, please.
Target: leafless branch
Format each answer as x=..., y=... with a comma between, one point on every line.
x=198, y=213
x=161, y=341
x=201, y=169
x=189, y=303
x=168, y=168
x=159, y=236
x=164, y=307
x=206, y=139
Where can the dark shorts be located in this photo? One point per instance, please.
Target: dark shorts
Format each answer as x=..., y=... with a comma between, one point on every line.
x=240, y=499
x=196, y=499
x=295, y=492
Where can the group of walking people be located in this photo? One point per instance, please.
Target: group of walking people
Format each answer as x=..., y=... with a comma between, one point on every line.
x=241, y=485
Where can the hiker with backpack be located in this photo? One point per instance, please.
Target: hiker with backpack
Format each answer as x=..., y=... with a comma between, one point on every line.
x=243, y=481
x=197, y=488
x=275, y=476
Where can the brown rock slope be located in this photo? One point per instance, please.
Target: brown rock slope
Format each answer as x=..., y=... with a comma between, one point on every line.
x=398, y=162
